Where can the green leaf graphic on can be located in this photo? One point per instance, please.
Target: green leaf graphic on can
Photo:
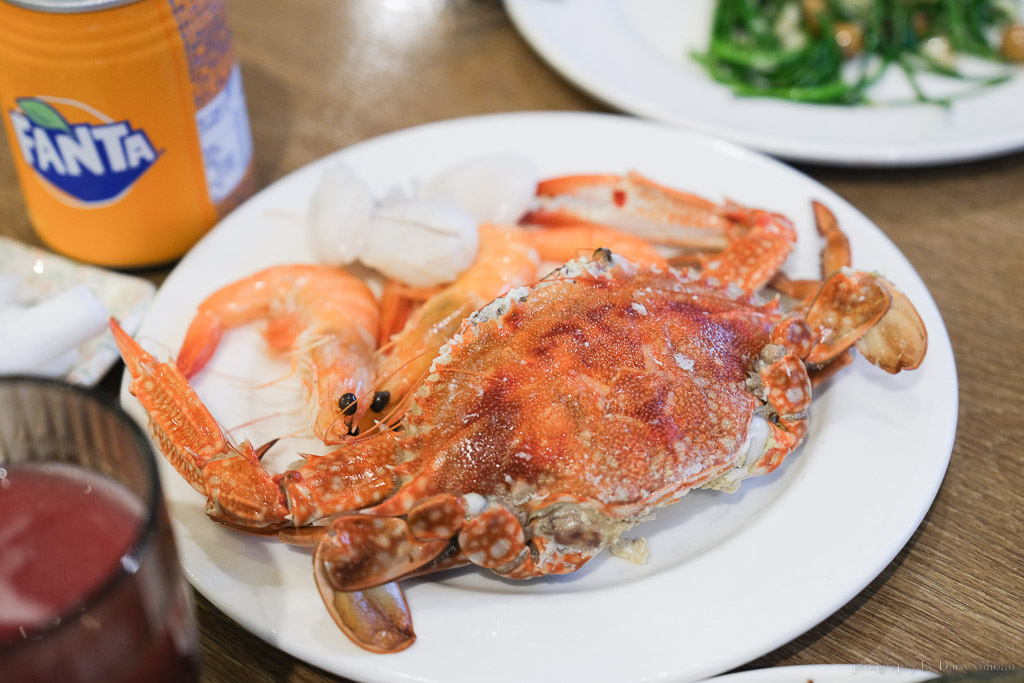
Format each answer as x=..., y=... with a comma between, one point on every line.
x=42, y=114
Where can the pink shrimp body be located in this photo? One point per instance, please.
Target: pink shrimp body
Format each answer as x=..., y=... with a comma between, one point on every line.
x=565, y=242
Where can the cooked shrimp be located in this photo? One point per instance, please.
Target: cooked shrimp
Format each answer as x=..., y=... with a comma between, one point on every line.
x=324, y=316
x=566, y=242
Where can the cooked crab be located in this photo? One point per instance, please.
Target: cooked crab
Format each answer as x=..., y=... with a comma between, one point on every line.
x=557, y=417
x=562, y=415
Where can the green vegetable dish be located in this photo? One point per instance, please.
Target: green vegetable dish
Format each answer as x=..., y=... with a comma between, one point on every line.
x=832, y=51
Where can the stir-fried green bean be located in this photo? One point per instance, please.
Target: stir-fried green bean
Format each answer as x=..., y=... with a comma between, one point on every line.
x=832, y=51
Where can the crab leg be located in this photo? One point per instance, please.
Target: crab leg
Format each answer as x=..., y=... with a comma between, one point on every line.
x=377, y=619
x=860, y=308
x=835, y=256
x=634, y=204
x=788, y=391
x=750, y=261
x=362, y=551
x=239, y=490
x=854, y=308
x=194, y=444
x=566, y=242
x=753, y=244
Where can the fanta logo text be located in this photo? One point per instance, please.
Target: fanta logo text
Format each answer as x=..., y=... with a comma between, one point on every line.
x=94, y=163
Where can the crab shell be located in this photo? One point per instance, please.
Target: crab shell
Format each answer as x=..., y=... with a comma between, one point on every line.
x=562, y=415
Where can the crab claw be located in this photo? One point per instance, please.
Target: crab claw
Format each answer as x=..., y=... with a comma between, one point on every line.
x=866, y=310
x=376, y=619
x=352, y=555
x=898, y=341
x=848, y=305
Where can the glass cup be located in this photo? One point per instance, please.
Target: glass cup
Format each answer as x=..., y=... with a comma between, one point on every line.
x=90, y=584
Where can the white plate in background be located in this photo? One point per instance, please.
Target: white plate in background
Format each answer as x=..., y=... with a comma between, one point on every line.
x=634, y=55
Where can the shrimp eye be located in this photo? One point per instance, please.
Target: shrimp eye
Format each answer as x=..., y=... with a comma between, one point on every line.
x=380, y=401
x=347, y=403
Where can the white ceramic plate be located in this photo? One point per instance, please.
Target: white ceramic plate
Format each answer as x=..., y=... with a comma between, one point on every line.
x=40, y=274
x=634, y=55
x=829, y=673
x=730, y=576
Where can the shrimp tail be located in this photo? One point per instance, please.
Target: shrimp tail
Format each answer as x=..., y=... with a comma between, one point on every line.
x=201, y=340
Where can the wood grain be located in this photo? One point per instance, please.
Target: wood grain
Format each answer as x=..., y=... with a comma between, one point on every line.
x=323, y=74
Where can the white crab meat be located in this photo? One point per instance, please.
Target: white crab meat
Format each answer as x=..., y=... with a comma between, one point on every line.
x=422, y=242
x=339, y=215
x=496, y=188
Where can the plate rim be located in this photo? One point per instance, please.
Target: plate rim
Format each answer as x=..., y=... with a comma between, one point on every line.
x=830, y=672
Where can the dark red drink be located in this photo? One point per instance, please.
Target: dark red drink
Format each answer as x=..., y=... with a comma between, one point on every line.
x=66, y=530
x=84, y=591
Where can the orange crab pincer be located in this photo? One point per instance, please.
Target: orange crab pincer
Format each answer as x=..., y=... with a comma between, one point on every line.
x=562, y=415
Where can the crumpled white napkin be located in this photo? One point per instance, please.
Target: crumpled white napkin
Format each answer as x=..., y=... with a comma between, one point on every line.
x=43, y=339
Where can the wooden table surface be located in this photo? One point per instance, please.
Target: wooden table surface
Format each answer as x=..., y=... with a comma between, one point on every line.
x=323, y=74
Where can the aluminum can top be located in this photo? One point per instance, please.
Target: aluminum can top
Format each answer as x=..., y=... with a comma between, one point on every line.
x=68, y=6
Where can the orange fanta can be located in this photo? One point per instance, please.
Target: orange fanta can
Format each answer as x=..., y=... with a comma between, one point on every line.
x=127, y=123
